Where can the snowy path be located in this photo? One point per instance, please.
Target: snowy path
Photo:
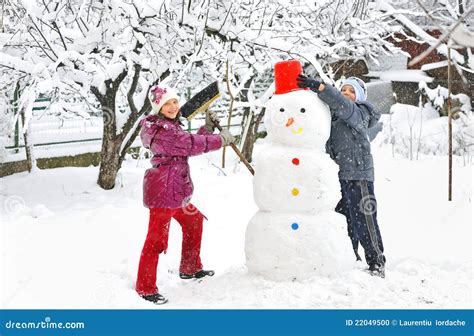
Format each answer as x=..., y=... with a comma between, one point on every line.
x=68, y=244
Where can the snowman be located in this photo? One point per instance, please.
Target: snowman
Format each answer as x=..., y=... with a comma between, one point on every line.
x=296, y=233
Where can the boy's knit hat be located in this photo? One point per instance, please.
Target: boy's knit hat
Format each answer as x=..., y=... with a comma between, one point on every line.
x=159, y=95
x=359, y=87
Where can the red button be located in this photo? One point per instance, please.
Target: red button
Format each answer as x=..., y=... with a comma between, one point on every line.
x=295, y=161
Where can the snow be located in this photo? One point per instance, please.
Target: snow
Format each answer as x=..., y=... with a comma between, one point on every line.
x=17, y=63
x=401, y=75
x=115, y=69
x=389, y=62
x=66, y=243
x=440, y=94
x=435, y=65
x=4, y=38
x=413, y=131
x=462, y=36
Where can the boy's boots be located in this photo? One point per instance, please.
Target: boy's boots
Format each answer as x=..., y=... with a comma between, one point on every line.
x=377, y=269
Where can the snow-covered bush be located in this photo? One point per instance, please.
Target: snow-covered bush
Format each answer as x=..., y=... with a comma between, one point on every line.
x=438, y=98
x=412, y=130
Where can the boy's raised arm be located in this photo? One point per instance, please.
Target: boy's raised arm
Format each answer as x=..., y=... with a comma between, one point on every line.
x=355, y=116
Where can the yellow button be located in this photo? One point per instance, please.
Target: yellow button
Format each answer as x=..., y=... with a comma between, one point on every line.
x=295, y=192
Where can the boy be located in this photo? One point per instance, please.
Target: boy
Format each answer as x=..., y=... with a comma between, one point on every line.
x=349, y=147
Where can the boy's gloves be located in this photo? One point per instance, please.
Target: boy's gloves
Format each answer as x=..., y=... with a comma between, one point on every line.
x=227, y=137
x=310, y=83
x=211, y=117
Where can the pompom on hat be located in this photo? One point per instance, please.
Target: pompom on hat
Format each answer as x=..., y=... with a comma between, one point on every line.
x=359, y=87
x=159, y=95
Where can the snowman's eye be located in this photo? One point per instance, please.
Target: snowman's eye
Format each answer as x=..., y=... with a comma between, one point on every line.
x=303, y=110
x=282, y=110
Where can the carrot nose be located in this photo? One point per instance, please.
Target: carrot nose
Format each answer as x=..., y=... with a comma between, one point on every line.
x=290, y=122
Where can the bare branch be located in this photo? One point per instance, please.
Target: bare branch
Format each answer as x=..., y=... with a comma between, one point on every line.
x=231, y=105
x=204, y=30
x=60, y=35
x=39, y=45
x=226, y=16
x=12, y=68
x=44, y=38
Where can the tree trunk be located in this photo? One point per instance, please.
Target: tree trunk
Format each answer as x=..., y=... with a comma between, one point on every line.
x=112, y=152
x=29, y=149
x=110, y=162
x=250, y=138
x=30, y=160
x=111, y=142
x=247, y=150
x=252, y=133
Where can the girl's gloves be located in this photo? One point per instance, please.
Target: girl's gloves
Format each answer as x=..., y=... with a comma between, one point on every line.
x=211, y=117
x=227, y=137
x=310, y=83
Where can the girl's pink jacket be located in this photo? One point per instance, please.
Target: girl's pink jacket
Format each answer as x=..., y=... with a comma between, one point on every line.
x=168, y=184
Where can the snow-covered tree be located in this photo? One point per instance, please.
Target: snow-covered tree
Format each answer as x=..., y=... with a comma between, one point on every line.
x=108, y=53
x=108, y=50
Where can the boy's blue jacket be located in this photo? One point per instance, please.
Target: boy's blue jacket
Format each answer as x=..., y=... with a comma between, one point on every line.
x=349, y=143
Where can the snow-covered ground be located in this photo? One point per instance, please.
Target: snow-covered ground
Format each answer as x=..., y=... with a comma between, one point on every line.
x=66, y=243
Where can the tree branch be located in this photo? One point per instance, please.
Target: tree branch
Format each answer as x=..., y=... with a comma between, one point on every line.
x=204, y=30
x=60, y=35
x=129, y=142
x=39, y=45
x=100, y=97
x=135, y=114
x=226, y=16
x=441, y=39
x=44, y=38
x=9, y=67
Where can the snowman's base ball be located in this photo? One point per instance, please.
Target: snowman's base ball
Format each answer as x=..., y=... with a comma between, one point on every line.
x=289, y=246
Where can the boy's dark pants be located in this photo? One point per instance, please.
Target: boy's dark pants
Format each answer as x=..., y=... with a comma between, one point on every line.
x=359, y=206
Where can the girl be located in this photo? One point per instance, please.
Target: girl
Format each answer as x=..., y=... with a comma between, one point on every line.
x=167, y=188
x=349, y=147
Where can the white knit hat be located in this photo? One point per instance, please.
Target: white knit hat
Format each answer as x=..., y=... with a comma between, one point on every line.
x=359, y=87
x=159, y=95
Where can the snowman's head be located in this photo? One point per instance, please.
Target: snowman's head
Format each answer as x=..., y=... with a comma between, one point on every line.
x=298, y=118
